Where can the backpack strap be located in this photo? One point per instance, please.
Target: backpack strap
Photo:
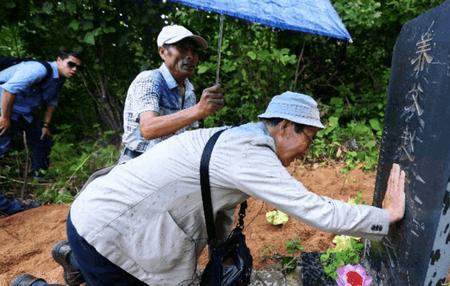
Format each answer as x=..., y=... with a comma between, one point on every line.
x=206, y=191
x=49, y=69
x=6, y=62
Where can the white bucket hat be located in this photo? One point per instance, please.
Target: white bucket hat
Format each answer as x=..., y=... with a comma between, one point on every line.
x=175, y=33
x=295, y=107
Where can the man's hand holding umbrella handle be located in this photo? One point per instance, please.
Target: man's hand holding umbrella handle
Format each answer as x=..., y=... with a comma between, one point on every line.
x=394, y=198
x=210, y=101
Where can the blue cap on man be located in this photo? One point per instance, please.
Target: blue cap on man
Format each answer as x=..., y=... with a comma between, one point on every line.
x=295, y=107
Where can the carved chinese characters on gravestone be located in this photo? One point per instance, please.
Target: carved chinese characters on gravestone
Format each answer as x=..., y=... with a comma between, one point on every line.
x=417, y=136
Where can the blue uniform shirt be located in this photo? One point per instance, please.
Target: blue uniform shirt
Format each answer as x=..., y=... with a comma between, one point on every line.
x=21, y=80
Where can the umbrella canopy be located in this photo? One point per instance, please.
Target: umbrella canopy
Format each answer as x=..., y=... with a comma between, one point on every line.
x=310, y=16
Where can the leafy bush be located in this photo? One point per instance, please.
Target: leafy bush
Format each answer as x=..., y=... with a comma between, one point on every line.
x=72, y=164
x=348, y=80
x=11, y=43
x=356, y=142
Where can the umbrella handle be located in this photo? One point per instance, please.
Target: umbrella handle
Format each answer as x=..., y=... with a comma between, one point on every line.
x=219, y=48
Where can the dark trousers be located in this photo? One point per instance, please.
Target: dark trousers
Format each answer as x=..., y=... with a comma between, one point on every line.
x=96, y=269
x=40, y=149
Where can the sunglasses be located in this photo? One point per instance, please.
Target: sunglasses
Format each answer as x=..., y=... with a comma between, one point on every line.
x=72, y=65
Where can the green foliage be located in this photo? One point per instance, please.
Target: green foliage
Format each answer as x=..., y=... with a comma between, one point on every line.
x=113, y=37
x=117, y=40
x=352, y=90
x=11, y=43
x=355, y=144
x=246, y=68
x=334, y=258
x=357, y=200
x=293, y=247
x=348, y=249
x=12, y=167
x=288, y=262
x=73, y=163
x=360, y=13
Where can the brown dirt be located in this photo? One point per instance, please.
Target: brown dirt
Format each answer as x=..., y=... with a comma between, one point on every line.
x=26, y=241
x=26, y=238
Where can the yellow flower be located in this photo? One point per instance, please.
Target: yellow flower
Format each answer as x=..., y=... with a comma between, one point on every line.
x=277, y=217
x=343, y=242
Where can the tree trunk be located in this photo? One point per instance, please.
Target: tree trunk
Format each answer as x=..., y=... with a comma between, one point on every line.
x=108, y=107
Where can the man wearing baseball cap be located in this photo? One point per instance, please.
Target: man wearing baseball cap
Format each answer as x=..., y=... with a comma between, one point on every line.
x=143, y=223
x=161, y=102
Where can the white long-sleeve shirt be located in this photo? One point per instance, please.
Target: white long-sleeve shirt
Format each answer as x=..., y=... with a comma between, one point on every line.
x=146, y=215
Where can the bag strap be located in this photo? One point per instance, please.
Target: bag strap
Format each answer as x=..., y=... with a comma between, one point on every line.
x=242, y=209
x=14, y=61
x=206, y=191
x=49, y=69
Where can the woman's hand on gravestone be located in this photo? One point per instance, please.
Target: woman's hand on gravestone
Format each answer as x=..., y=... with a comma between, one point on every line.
x=394, y=198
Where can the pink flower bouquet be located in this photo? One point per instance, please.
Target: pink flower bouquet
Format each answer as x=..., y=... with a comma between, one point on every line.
x=353, y=275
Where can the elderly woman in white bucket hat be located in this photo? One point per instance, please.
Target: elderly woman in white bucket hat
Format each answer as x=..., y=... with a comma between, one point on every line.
x=147, y=219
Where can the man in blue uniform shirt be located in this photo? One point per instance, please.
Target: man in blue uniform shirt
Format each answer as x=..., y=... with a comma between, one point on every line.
x=25, y=87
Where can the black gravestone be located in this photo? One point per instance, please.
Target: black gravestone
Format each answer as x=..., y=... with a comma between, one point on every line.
x=417, y=136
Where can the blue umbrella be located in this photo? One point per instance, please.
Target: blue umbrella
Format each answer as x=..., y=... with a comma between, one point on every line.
x=310, y=16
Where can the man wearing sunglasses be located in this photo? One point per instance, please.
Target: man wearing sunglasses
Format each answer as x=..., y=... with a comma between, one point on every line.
x=25, y=89
x=161, y=102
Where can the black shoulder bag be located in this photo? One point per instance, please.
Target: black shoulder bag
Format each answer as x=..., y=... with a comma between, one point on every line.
x=230, y=262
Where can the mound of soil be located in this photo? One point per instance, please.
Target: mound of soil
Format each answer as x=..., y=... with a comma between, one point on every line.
x=27, y=237
x=26, y=242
